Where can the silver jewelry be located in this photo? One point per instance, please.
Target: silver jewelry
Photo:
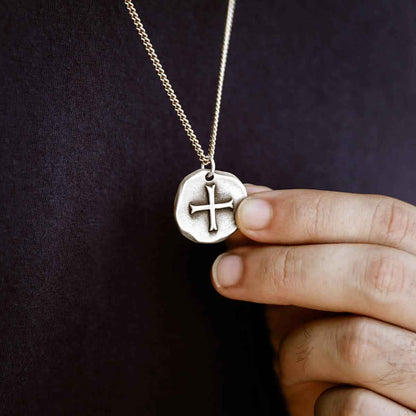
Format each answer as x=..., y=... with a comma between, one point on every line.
x=206, y=199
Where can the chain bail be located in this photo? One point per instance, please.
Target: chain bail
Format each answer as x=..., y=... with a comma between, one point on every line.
x=211, y=172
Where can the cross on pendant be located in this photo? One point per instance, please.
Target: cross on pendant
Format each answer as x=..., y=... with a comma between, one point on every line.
x=211, y=207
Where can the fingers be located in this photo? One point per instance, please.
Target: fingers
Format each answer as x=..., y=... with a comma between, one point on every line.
x=302, y=216
x=352, y=350
x=357, y=402
x=364, y=279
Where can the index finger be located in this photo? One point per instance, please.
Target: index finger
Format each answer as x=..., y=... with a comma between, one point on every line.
x=304, y=216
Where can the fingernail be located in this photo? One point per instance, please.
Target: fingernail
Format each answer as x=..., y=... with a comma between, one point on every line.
x=227, y=270
x=254, y=213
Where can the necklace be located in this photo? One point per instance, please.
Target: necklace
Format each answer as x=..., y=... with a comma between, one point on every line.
x=206, y=199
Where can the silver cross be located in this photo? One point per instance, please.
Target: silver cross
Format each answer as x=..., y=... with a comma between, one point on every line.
x=211, y=207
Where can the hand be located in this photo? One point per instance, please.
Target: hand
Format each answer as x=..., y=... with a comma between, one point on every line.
x=351, y=254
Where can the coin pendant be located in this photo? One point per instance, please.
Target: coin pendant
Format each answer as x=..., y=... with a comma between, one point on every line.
x=205, y=206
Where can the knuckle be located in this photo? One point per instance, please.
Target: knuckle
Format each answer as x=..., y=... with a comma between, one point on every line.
x=282, y=267
x=354, y=342
x=320, y=215
x=385, y=274
x=391, y=221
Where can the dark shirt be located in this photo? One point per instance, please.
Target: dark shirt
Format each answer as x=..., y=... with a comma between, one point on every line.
x=105, y=309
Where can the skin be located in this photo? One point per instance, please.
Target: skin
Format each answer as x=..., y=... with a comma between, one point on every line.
x=337, y=272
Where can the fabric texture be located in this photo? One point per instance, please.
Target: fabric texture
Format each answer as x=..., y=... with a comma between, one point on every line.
x=105, y=309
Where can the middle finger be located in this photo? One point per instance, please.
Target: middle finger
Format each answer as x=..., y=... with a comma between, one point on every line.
x=365, y=279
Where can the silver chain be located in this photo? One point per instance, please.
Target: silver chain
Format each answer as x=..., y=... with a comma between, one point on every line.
x=205, y=159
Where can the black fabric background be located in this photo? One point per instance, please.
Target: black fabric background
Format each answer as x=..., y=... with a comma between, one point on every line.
x=104, y=308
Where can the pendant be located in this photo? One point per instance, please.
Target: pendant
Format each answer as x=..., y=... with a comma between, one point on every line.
x=205, y=205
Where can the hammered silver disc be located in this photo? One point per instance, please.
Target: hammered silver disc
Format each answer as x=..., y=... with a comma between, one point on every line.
x=205, y=208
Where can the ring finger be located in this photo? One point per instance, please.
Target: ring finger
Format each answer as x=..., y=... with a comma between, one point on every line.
x=352, y=350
